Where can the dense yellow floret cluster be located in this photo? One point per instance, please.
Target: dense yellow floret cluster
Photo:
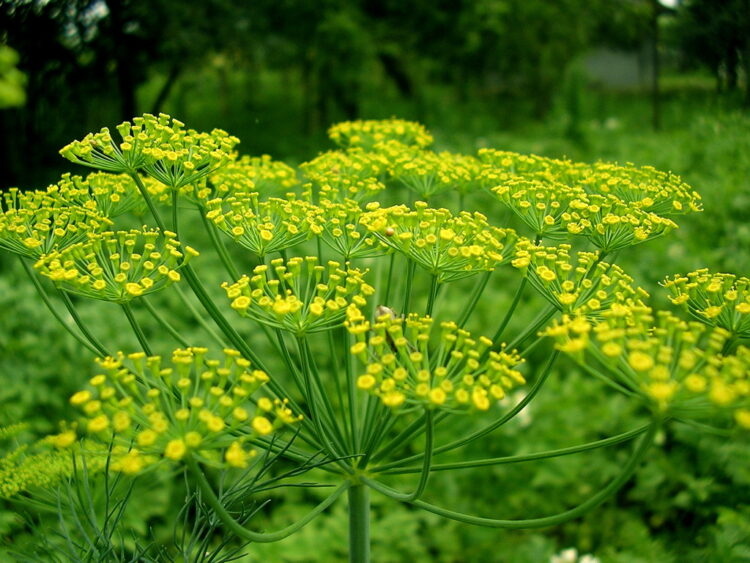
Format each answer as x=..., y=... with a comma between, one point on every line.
x=192, y=405
x=43, y=465
x=111, y=195
x=35, y=223
x=611, y=225
x=117, y=266
x=677, y=365
x=264, y=226
x=343, y=231
x=447, y=246
x=427, y=173
x=299, y=295
x=643, y=188
x=259, y=174
x=582, y=285
x=337, y=175
x=403, y=369
x=714, y=299
x=367, y=133
x=159, y=145
x=547, y=208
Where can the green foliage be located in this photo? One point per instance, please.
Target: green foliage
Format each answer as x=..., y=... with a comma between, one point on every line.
x=645, y=523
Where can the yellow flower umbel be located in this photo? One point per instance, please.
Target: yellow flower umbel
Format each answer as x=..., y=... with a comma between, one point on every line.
x=195, y=406
x=35, y=223
x=111, y=195
x=715, y=299
x=449, y=247
x=117, y=266
x=344, y=233
x=612, y=225
x=580, y=286
x=160, y=146
x=675, y=365
x=403, y=370
x=46, y=463
x=547, y=208
x=367, y=133
x=300, y=295
x=427, y=173
x=265, y=226
x=644, y=187
x=253, y=174
x=338, y=175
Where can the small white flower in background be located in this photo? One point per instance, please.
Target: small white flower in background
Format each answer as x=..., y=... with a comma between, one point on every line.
x=570, y=555
x=523, y=417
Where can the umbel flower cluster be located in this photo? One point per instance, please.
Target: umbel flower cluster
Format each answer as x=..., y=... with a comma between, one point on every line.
x=349, y=326
x=192, y=404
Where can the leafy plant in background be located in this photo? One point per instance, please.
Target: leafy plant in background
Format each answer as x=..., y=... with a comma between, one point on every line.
x=341, y=326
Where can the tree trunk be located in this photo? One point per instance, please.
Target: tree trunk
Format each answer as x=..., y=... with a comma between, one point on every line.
x=166, y=89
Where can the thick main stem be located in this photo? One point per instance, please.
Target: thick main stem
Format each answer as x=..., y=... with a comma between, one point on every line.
x=359, y=523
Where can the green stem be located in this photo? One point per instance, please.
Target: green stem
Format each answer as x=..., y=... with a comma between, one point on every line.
x=240, y=531
x=387, y=296
x=511, y=310
x=164, y=323
x=555, y=520
x=619, y=438
x=424, y=475
x=322, y=397
x=433, y=295
x=221, y=250
x=198, y=317
x=81, y=326
x=487, y=429
x=411, y=267
x=474, y=299
x=136, y=328
x=351, y=387
x=359, y=524
x=536, y=324
x=149, y=202
x=43, y=294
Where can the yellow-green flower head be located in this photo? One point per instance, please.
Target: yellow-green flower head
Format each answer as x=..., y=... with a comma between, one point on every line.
x=576, y=286
x=35, y=223
x=675, y=365
x=427, y=173
x=111, y=195
x=44, y=464
x=191, y=405
x=644, y=187
x=160, y=146
x=503, y=166
x=612, y=225
x=259, y=174
x=715, y=299
x=117, y=266
x=403, y=370
x=299, y=295
x=337, y=175
x=344, y=233
x=264, y=226
x=450, y=247
x=367, y=133
x=547, y=208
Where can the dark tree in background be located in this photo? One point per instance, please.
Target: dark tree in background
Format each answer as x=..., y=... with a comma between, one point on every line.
x=92, y=62
x=716, y=33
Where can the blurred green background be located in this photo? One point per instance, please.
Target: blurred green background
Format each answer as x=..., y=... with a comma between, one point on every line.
x=664, y=83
